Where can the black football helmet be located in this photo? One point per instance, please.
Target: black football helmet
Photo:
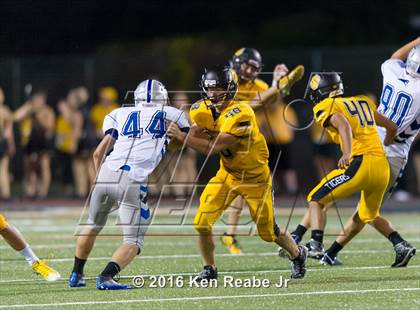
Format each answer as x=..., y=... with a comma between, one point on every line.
x=222, y=78
x=324, y=85
x=249, y=56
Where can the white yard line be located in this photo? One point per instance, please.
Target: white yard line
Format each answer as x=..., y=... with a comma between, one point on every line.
x=164, y=256
x=167, y=242
x=321, y=269
x=160, y=300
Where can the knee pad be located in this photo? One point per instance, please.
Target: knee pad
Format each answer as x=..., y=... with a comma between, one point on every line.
x=3, y=222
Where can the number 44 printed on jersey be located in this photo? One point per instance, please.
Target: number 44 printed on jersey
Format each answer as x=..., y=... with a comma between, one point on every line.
x=156, y=127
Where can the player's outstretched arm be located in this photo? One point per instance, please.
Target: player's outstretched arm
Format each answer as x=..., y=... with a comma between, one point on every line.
x=403, y=51
x=103, y=148
x=204, y=146
x=339, y=122
x=282, y=83
x=390, y=126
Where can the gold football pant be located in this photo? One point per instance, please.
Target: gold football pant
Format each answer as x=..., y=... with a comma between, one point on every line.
x=222, y=189
x=366, y=174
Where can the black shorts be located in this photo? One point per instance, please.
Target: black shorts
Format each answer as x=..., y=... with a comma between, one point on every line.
x=276, y=150
x=39, y=145
x=3, y=146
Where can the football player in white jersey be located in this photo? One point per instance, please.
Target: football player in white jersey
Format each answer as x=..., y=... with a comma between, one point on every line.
x=400, y=103
x=135, y=141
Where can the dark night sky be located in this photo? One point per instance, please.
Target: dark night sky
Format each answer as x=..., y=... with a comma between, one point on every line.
x=48, y=26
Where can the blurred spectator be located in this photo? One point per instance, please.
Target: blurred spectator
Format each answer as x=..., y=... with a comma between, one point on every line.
x=37, y=137
x=69, y=131
x=7, y=147
x=107, y=102
x=276, y=122
x=83, y=168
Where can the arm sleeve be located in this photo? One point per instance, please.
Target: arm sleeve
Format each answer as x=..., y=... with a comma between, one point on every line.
x=324, y=110
x=177, y=116
x=392, y=67
x=239, y=122
x=110, y=125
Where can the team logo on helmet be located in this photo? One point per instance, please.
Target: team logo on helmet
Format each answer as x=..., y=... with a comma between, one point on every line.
x=315, y=81
x=239, y=52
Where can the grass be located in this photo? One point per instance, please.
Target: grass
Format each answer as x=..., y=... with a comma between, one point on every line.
x=364, y=282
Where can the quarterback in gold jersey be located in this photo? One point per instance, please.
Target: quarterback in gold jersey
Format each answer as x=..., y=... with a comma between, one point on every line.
x=243, y=168
x=363, y=167
x=247, y=64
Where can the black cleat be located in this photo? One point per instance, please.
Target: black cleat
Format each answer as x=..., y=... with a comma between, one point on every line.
x=208, y=273
x=298, y=263
x=326, y=260
x=404, y=251
x=315, y=249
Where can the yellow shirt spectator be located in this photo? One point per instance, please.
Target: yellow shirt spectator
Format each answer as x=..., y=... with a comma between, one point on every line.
x=107, y=102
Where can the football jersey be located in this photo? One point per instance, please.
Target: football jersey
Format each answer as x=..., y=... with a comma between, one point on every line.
x=400, y=102
x=359, y=112
x=249, y=90
x=269, y=118
x=249, y=157
x=140, y=134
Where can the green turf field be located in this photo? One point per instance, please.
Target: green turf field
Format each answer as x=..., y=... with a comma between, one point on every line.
x=364, y=282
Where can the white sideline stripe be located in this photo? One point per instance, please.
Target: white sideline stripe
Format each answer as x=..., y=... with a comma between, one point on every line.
x=182, y=243
x=405, y=289
x=159, y=226
x=198, y=255
x=322, y=269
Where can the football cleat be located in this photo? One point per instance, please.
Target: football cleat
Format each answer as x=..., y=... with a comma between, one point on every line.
x=404, y=251
x=207, y=274
x=315, y=249
x=326, y=260
x=108, y=283
x=298, y=263
x=76, y=280
x=231, y=243
x=41, y=268
x=286, y=83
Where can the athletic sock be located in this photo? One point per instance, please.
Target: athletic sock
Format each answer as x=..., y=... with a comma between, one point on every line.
x=334, y=249
x=299, y=232
x=79, y=265
x=29, y=255
x=317, y=235
x=395, y=238
x=111, y=270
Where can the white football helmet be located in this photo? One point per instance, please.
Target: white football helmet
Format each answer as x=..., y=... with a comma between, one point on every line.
x=151, y=92
x=413, y=62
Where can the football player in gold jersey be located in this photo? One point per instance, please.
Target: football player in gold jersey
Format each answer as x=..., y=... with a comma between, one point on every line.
x=243, y=168
x=247, y=64
x=15, y=239
x=363, y=167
